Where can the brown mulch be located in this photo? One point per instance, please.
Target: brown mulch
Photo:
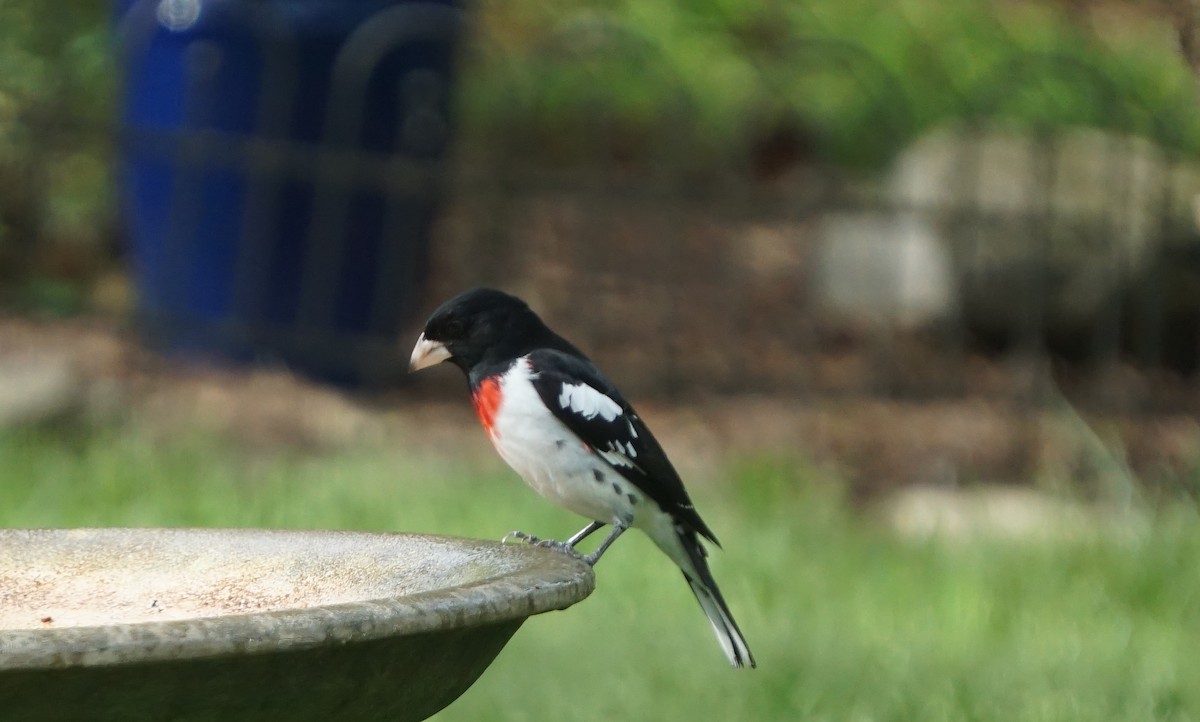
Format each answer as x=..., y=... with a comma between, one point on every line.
x=876, y=444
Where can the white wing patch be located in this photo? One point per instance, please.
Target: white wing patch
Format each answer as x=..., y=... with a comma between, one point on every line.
x=588, y=402
x=625, y=449
x=617, y=459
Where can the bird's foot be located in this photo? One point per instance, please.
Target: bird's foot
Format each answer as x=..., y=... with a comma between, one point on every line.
x=589, y=559
x=619, y=527
x=563, y=547
x=521, y=537
x=544, y=543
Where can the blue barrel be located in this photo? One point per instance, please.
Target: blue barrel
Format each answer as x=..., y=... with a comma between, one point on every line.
x=281, y=165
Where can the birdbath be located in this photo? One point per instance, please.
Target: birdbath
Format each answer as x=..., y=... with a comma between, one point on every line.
x=247, y=624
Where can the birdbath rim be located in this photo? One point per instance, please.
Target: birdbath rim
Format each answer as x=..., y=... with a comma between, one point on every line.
x=511, y=582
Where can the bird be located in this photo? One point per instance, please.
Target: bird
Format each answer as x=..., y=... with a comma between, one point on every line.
x=563, y=426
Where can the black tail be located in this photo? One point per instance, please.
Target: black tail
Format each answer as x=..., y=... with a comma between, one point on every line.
x=709, y=595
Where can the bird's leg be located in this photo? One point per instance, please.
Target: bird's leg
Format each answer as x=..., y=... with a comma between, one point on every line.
x=584, y=533
x=568, y=546
x=579, y=536
x=565, y=547
x=619, y=526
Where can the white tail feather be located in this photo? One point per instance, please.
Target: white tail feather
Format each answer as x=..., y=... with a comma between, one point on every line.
x=728, y=634
x=684, y=547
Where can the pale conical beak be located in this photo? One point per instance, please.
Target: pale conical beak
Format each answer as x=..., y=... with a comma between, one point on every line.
x=427, y=353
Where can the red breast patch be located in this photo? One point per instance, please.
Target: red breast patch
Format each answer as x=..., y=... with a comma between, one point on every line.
x=487, y=400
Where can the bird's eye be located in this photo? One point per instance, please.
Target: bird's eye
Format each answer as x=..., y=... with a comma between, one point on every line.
x=455, y=328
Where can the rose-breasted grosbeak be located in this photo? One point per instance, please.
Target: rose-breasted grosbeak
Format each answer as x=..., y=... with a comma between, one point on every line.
x=564, y=427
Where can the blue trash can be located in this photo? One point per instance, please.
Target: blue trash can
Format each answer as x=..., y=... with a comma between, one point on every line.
x=280, y=168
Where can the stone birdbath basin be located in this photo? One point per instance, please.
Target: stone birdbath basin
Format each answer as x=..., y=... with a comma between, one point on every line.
x=231, y=625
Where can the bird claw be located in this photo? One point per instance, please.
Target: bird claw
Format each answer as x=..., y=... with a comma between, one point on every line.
x=563, y=547
x=543, y=543
x=521, y=537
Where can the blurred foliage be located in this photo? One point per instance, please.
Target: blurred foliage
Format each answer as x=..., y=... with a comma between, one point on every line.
x=854, y=79
x=56, y=94
x=709, y=87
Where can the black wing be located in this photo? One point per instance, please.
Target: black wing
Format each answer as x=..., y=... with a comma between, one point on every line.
x=580, y=396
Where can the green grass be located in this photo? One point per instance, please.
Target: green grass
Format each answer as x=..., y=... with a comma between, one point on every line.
x=847, y=622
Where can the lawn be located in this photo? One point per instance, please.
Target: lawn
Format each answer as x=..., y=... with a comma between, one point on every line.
x=847, y=621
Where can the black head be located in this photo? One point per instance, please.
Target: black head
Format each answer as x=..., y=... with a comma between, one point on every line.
x=482, y=326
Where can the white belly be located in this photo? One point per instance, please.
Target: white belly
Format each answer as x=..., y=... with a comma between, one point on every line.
x=551, y=459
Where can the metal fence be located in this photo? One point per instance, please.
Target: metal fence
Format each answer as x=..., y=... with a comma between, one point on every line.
x=771, y=268
x=979, y=248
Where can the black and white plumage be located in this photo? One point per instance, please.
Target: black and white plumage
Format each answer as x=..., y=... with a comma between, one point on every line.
x=566, y=429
